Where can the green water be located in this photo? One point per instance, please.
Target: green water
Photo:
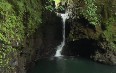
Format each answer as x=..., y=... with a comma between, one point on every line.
x=71, y=65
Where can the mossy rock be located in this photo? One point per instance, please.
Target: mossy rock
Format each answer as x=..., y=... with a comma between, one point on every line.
x=14, y=15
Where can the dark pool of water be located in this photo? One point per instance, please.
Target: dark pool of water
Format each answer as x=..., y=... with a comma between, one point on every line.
x=71, y=65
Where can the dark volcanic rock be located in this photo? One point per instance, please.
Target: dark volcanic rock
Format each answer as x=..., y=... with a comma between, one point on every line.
x=86, y=40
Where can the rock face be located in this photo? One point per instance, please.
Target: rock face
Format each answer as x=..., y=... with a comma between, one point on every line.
x=27, y=33
x=30, y=39
x=44, y=41
x=19, y=19
x=91, y=41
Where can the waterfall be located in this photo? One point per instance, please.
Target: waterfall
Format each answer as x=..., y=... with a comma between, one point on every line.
x=60, y=47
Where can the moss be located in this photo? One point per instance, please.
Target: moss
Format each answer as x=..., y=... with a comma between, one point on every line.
x=110, y=32
x=110, y=28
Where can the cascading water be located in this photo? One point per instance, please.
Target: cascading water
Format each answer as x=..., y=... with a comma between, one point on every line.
x=60, y=47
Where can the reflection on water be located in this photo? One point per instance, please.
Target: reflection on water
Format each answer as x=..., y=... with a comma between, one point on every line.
x=71, y=65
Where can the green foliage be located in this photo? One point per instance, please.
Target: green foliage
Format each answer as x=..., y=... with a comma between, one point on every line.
x=34, y=9
x=110, y=29
x=5, y=56
x=90, y=12
x=13, y=18
x=57, y=1
x=50, y=6
x=11, y=29
x=110, y=21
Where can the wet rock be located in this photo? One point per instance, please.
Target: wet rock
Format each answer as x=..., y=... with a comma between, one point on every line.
x=79, y=39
